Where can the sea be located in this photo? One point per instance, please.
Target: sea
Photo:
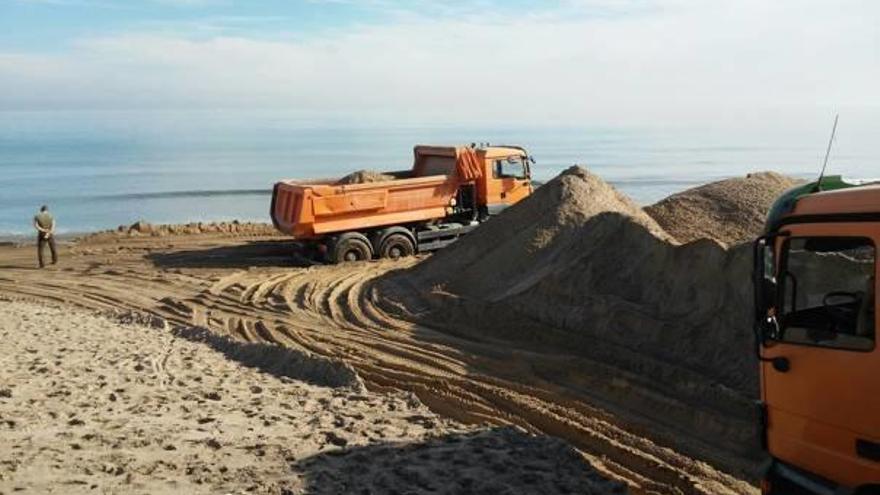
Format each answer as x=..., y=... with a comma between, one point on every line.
x=101, y=169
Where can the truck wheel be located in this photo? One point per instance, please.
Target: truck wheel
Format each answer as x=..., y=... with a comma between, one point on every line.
x=352, y=247
x=396, y=246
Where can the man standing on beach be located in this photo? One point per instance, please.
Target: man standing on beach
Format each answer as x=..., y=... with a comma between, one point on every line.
x=45, y=225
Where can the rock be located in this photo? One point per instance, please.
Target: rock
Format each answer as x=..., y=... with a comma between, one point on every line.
x=335, y=439
x=141, y=227
x=113, y=469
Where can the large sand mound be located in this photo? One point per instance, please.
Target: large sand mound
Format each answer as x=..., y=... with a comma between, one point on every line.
x=579, y=268
x=730, y=211
x=580, y=256
x=508, y=254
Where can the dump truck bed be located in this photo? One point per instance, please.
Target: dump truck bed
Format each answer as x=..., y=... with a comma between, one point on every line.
x=310, y=210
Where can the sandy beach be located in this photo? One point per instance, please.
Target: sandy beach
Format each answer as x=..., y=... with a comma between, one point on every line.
x=524, y=339
x=91, y=405
x=640, y=416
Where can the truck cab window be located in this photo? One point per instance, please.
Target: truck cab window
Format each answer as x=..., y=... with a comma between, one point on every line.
x=512, y=167
x=828, y=292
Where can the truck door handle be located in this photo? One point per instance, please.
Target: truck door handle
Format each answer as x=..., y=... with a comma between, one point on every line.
x=868, y=450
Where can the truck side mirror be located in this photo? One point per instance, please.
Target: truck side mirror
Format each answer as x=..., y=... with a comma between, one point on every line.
x=765, y=288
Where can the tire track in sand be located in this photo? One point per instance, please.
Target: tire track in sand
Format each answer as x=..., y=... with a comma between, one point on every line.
x=393, y=362
x=335, y=311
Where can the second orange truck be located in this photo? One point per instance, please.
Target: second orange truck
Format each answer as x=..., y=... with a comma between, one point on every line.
x=816, y=323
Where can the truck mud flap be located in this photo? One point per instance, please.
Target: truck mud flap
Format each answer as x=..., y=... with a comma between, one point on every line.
x=272, y=207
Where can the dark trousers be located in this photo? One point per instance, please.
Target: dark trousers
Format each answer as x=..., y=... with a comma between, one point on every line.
x=42, y=240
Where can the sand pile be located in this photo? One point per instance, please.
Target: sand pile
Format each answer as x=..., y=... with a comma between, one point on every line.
x=581, y=257
x=730, y=211
x=579, y=268
x=507, y=255
x=364, y=176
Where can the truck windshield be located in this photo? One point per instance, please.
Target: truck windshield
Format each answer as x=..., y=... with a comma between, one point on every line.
x=828, y=292
x=512, y=167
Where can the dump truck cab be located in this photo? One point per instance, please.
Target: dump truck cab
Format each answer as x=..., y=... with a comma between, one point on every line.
x=816, y=325
x=503, y=178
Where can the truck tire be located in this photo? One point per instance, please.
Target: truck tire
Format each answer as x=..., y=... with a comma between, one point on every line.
x=396, y=245
x=351, y=247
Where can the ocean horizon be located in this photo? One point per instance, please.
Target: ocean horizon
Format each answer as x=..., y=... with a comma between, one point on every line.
x=100, y=169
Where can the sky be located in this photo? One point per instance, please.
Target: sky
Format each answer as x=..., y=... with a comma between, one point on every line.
x=513, y=61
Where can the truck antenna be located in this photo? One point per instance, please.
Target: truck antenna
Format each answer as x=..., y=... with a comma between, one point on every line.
x=827, y=154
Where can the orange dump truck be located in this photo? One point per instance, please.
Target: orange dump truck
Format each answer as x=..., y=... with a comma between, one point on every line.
x=816, y=325
x=448, y=192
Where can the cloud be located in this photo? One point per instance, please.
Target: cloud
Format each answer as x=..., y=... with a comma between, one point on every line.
x=688, y=59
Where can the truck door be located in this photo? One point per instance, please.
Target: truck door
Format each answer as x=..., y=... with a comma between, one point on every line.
x=510, y=182
x=823, y=395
